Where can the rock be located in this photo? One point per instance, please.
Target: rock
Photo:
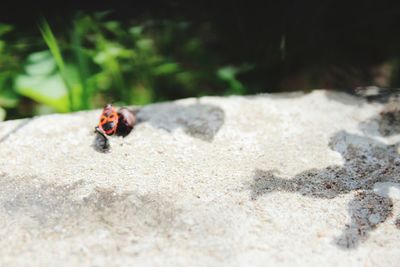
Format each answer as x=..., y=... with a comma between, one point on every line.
x=272, y=179
x=388, y=190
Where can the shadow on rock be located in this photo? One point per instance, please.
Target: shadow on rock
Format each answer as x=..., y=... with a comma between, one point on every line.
x=57, y=211
x=356, y=96
x=345, y=97
x=378, y=94
x=387, y=123
x=367, y=210
x=201, y=121
x=366, y=162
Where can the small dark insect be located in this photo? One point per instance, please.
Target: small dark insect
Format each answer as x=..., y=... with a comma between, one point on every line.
x=108, y=120
x=112, y=122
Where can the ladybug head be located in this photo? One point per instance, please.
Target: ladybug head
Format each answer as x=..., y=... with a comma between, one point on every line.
x=108, y=106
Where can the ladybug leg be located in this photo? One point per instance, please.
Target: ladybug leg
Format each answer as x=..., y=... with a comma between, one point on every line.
x=97, y=130
x=101, y=141
x=100, y=132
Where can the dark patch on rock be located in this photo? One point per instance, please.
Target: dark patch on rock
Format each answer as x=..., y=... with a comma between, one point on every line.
x=389, y=124
x=201, y=121
x=367, y=210
x=56, y=211
x=367, y=162
x=397, y=223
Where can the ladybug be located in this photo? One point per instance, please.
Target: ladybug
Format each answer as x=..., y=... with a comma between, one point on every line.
x=108, y=120
x=112, y=122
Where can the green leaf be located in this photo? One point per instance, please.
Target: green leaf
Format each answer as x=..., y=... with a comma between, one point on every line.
x=40, y=63
x=8, y=99
x=145, y=44
x=166, y=68
x=228, y=74
x=5, y=28
x=2, y=114
x=136, y=31
x=43, y=83
x=112, y=26
x=48, y=90
x=142, y=95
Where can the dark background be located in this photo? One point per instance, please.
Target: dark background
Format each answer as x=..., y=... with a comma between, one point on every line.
x=334, y=37
x=292, y=45
x=363, y=31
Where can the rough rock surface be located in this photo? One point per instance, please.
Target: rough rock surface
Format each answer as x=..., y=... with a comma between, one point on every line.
x=307, y=180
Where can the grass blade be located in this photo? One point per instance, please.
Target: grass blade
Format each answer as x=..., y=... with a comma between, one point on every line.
x=54, y=48
x=83, y=65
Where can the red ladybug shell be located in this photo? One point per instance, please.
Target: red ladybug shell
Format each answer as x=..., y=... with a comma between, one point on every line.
x=109, y=120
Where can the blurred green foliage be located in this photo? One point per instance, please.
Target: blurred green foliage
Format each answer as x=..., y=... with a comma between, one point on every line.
x=9, y=67
x=162, y=50
x=96, y=60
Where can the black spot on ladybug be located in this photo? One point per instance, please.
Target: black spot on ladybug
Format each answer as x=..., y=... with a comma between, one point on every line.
x=108, y=126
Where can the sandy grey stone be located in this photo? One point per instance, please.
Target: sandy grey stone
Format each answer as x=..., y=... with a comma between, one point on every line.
x=266, y=180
